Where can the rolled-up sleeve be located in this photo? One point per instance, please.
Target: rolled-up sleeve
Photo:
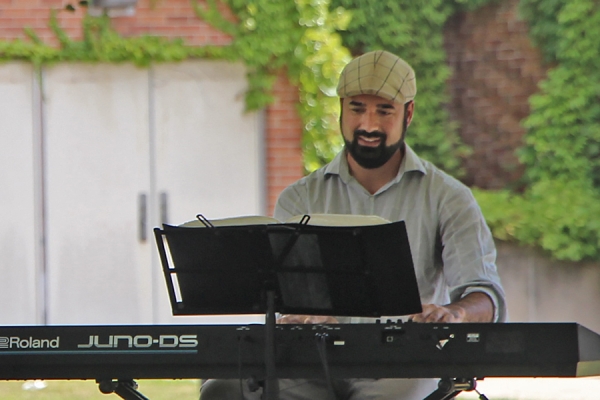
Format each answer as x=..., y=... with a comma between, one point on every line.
x=469, y=253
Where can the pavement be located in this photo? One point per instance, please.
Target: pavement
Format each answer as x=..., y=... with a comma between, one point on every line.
x=587, y=388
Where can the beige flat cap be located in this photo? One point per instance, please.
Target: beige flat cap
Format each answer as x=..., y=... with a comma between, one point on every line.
x=379, y=73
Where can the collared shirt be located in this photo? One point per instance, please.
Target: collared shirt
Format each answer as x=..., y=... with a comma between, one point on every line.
x=452, y=247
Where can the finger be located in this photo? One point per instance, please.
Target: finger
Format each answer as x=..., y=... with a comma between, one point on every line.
x=430, y=314
x=292, y=319
x=424, y=316
x=306, y=319
x=320, y=319
x=441, y=315
x=426, y=309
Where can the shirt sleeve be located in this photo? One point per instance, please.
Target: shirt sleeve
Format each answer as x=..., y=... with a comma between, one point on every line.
x=468, y=251
x=492, y=295
x=290, y=203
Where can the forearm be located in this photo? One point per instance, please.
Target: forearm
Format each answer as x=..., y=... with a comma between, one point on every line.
x=474, y=307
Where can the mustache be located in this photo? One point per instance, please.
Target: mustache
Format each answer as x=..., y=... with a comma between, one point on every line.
x=373, y=134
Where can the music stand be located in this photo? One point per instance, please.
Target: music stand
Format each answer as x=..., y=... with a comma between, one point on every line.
x=298, y=268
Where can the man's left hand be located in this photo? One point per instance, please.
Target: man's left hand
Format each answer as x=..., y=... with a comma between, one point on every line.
x=433, y=313
x=474, y=307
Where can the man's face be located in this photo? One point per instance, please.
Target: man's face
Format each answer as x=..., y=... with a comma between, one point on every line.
x=373, y=128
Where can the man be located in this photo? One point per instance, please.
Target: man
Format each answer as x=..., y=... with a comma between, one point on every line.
x=377, y=173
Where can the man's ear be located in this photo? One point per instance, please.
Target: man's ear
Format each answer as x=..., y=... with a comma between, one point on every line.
x=409, y=110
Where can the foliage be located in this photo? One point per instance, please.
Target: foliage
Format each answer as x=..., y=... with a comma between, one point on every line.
x=100, y=44
x=325, y=57
x=563, y=137
x=553, y=214
x=264, y=47
x=542, y=16
x=562, y=142
x=559, y=210
x=300, y=37
x=471, y=5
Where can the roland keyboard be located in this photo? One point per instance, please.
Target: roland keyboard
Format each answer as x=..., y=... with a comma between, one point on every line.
x=386, y=350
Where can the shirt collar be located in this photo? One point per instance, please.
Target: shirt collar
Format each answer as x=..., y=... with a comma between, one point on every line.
x=410, y=162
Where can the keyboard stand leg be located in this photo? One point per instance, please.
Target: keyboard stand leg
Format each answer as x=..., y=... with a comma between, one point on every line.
x=125, y=389
x=450, y=388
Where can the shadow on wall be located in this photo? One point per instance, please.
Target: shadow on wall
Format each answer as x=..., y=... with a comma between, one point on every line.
x=539, y=289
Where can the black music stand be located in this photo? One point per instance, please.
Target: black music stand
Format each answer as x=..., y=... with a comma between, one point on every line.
x=291, y=269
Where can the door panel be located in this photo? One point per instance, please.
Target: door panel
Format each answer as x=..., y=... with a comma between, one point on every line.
x=19, y=238
x=111, y=152
x=209, y=157
x=97, y=171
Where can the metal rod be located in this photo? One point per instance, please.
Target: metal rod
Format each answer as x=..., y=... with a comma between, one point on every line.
x=271, y=383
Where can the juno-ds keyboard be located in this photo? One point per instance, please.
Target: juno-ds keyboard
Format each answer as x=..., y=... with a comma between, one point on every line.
x=404, y=350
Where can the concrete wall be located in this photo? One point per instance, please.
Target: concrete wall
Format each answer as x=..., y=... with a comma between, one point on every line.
x=539, y=289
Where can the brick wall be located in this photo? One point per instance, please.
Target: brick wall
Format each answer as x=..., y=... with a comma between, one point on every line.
x=174, y=19
x=167, y=18
x=284, y=140
x=496, y=69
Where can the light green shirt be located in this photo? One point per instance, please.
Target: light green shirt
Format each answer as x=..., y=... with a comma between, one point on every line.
x=452, y=248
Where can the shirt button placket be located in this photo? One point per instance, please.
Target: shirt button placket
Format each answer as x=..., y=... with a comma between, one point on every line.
x=371, y=207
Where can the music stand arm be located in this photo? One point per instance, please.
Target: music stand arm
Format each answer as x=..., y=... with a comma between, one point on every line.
x=271, y=382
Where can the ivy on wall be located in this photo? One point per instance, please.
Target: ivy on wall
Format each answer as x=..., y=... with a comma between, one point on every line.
x=414, y=31
x=560, y=209
x=99, y=44
x=301, y=37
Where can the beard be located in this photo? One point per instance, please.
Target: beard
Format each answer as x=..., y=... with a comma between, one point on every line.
x=372, y=157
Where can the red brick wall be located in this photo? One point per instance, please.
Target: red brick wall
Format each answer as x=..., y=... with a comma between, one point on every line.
x=284, y=140
x=174, y=19
x=496, y=69
x=168, y=18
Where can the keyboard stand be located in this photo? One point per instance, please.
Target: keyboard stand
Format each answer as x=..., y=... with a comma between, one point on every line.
x=450, y=388
x=125, y=389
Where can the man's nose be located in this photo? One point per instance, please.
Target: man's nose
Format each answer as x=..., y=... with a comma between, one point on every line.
x=369, y=122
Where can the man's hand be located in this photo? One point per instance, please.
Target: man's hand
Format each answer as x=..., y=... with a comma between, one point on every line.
x=433, y=313
x=474, y=307
x=306, y=319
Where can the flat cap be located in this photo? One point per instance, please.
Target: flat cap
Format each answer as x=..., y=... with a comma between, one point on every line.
x=379, y=73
